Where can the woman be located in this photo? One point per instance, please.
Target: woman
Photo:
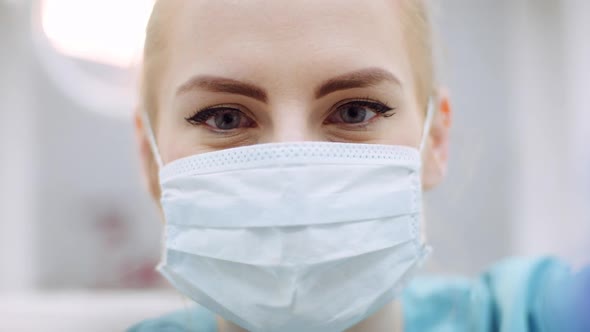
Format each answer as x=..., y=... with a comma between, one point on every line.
x=288, y=143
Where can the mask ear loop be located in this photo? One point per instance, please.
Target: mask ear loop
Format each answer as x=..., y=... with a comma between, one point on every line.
x=425, y=134
x=152, y=139
x=427, y=124
x=154, y=147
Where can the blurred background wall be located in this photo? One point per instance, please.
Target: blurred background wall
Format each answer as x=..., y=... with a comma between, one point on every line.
x=519, y=177
x=74, y=215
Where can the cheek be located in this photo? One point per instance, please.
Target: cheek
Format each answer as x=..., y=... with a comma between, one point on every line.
x=404, y=128
x=181, y=147
x=175, y=141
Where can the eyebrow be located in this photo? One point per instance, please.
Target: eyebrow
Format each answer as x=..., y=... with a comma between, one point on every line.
x=224, y=85
x=357, y=79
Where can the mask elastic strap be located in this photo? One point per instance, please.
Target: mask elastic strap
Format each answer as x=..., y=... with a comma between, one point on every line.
x=152, y=139
x=427, y=124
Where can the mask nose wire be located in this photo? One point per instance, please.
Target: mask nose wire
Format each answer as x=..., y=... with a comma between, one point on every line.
x=152, y=139
x=427, y=124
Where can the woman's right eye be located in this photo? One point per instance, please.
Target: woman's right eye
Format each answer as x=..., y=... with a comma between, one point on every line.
x=222, y=119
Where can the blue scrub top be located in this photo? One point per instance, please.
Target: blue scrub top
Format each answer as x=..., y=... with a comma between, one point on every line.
x=517, y=295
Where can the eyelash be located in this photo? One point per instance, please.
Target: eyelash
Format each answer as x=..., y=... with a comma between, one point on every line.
x=379, y=107
x=203, y=115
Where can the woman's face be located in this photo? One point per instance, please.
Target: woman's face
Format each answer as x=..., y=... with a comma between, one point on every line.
x=237, y=73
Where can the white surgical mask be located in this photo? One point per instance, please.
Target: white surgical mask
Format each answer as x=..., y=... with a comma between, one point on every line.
x=310, y=236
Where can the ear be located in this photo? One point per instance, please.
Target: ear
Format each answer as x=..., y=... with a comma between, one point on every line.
x=436, y=151
x=149, y=167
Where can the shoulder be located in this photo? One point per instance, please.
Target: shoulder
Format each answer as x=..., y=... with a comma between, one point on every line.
x=515, y=295
x=194, y=319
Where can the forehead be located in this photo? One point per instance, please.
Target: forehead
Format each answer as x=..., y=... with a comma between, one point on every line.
x=270, y=40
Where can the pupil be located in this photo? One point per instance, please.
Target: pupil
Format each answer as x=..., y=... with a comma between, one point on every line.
x=354, y=114
x=229, y=120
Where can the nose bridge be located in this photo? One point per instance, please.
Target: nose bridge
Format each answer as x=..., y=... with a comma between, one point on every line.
x=290, y=123
x=296, y=131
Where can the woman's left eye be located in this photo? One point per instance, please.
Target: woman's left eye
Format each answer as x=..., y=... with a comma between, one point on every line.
x=358, y=112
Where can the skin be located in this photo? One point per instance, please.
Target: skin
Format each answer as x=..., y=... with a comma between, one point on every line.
x=290, y=50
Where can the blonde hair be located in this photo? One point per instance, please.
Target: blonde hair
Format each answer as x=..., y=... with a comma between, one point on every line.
x=418, y=31
x=154, y=57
